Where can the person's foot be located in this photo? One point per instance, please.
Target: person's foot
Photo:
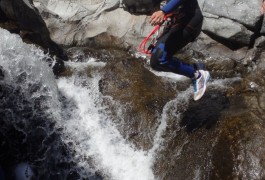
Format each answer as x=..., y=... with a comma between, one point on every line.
x=200, y=83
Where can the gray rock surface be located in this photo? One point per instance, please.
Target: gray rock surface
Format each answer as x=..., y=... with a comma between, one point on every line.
x=94, y=24
x=243, y=11
x=227, y=29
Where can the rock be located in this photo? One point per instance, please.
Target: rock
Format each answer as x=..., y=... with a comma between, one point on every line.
x=233, y=33
x=226, y=142
x=244, y=12
x=143, y=94
x=219, y=137
x=218, y=58
x=95, y=29
x=75, y=11
x=242, y=134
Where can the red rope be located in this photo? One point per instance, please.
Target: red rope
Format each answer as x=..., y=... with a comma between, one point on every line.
x=142, y=47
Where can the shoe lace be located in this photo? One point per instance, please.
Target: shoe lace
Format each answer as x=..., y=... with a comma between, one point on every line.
x=194, y=84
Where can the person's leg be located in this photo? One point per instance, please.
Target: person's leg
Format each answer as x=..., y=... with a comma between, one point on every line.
x=162, y=57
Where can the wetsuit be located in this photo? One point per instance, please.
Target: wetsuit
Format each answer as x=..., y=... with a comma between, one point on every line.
x=185, y=26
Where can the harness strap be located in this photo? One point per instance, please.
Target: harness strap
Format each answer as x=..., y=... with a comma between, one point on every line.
x=142, y=47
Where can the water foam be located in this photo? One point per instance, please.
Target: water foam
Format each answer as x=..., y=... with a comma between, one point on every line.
x=169, y=110
x=96, y=136
x=25, y=65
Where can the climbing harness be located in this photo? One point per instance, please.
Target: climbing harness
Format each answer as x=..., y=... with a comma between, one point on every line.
x=152, y=37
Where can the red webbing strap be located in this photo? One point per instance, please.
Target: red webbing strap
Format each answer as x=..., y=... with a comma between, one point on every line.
x=142, y=47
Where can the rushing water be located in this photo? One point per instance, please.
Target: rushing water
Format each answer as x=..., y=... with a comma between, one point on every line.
x=96, y=136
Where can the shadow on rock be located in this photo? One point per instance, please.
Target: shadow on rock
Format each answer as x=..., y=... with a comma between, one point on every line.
x=205, y=111
x=141, y=6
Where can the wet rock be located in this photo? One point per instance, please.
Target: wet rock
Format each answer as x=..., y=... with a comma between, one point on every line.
x=142, y=93
x=231, y=144
x=196, y=116
x=241, y=144
x=221, y=60
x=219, y=137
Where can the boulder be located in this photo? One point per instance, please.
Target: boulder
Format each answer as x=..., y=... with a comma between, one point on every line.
x=227, y=29
x=243, y=11
x=96, y=28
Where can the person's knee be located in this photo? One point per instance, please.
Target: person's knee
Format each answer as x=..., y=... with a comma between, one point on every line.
x=190, y=33
x=156, y=58
x=187, y=36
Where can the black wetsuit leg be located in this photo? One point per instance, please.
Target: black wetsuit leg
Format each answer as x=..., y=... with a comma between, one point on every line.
x=171, y=41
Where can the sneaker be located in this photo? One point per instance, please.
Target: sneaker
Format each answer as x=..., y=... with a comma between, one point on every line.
x=200, y=84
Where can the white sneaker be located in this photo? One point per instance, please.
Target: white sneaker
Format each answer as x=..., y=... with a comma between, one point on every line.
x=200, y=84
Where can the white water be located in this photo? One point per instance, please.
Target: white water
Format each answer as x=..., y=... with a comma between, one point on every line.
x=183, y=98
x=96, y=136
x=19, y=59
